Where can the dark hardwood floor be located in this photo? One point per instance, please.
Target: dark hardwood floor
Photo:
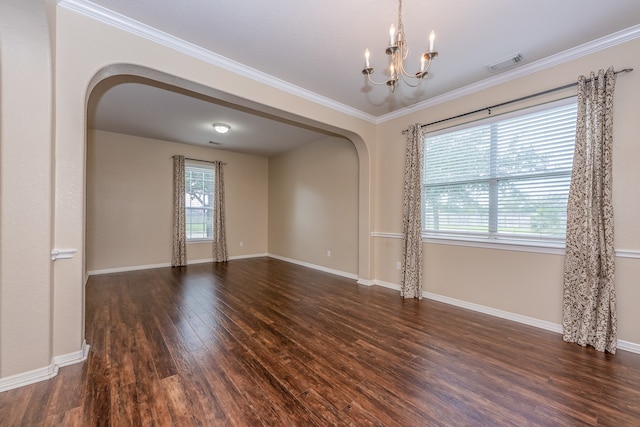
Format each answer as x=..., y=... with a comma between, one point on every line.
x=263, y=342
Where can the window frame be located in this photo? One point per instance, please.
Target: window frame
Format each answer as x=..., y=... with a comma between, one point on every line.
x=495, y=240
x=189, y=166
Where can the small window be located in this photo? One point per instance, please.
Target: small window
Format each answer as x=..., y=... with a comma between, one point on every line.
x=198, y=204
x=506, y=177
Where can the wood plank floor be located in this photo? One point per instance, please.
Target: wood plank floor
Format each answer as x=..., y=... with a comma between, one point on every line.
x=263, y=342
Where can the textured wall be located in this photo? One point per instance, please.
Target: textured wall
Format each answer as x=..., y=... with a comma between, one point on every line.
x=313, y=204
x=25, y=187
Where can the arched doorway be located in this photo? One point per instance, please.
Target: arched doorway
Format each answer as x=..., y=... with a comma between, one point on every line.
x=120, y=74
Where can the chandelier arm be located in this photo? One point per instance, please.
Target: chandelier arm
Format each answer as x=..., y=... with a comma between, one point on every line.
x=408, y=82
x=419, y=74
x=386, y=82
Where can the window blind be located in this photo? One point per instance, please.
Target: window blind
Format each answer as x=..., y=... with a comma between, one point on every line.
x=504, y=177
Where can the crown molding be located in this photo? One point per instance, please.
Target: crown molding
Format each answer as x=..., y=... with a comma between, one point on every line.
x=109, y=17
x=125, y=23
x=606, y=42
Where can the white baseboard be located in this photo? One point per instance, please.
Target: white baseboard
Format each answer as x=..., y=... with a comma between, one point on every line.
x=628, y=346
x=164, y=264
x=124, y=269
x=231, y=258
x=386, y=285
x=526, y=320
x=48, y=372
x=72, y=358
x=531, y=321
x=316, y=267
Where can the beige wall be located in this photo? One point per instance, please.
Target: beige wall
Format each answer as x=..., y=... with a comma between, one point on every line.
x=25, y=187
x=130, y=197
x=528, y=284
x=313, y=204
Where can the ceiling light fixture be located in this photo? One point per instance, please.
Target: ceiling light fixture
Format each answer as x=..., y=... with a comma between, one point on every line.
x=221, y=127
x=398, y=51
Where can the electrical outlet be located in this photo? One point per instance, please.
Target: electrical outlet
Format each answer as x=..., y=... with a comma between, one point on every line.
x=329, y=254
x=241, y=244
x=398, y=265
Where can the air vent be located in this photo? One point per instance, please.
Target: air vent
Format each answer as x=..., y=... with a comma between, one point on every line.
x=504, y=63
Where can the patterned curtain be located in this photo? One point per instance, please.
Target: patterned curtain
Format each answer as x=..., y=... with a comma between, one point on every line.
x=179, y=256
x=219, y=226
x=589, y=300
x=411, y=284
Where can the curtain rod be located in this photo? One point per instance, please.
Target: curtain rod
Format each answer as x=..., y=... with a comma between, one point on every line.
x=200, y=160
x=544, y=92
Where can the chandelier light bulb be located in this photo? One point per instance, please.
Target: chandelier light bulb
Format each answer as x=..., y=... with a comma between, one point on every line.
x=432, y=38
x=392, y=35
x=366, y=58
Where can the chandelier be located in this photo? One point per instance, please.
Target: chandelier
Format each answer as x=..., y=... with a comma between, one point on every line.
x=398, y=50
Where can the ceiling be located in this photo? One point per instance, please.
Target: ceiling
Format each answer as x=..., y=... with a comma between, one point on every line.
x=317, y=48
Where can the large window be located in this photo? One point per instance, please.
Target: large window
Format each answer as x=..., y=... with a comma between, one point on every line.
x=506, y=177
x=198, y=204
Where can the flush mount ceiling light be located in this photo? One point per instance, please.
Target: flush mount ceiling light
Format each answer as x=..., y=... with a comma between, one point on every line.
x=398, y=50
x=221, y=127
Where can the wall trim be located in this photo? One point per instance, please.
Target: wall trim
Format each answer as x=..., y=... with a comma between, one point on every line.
x=386, y=285
x=114, y=19
x=628, y=346
x=588, y=48
x=316, y=267
x=497, y=244
x=387, y=235
x=63, y=253
x=231, y=258
x=501, y=245
x=626, y=253
x=124, y=269
x=526, y=320
x=165, y=264
x=45, y=373
x=484, y=243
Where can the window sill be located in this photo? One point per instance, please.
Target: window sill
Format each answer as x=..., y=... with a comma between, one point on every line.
x=518, y=245
x=199, y=241
x=536, y=246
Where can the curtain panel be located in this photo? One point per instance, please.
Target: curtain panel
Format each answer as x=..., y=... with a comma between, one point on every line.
x=219, y=224
x=589, y=299
x=411, y=281
x=179, y=254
